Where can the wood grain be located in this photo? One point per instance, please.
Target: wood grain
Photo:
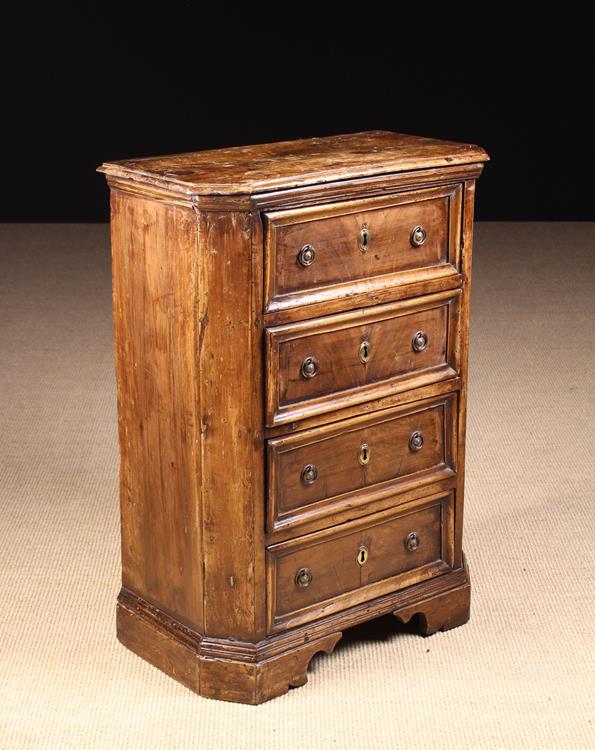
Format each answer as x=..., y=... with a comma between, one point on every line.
x=338, y=580
x=463, y=343
x=366, y=407
x=255, y=683
x=154, y=294
x=232, y=447
x=443, y=611
x=347, y=188
x=341, y=481
x=333, y=231
x=298, y=197
x=334, y=342
x=255, y=672
x=254, y=169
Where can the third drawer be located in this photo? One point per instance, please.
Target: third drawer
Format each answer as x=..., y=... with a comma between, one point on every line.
x=331, y=470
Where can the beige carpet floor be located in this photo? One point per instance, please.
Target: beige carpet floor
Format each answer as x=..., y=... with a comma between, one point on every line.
x=520, y=674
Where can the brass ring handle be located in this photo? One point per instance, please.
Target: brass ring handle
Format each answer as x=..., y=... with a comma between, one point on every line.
x=309, y=474
x=306, y=256
x=412, y=542
x=419, y=341
x=364, y=238
x=309, y=367
x=364, y=454
x=418, y=236
x=365, y=351
x=416, y=441
x=303, y=578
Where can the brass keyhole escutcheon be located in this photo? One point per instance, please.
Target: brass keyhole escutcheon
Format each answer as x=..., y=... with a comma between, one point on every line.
x=362, y=555
x=364, y=454
x=364, y=351
x=364, y=238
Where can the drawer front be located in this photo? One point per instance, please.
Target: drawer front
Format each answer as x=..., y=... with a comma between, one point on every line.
x=334, y=468
x=325, y=364
x=320, y=252
x=330, y=570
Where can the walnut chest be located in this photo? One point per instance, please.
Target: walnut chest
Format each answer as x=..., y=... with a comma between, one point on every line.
x=291, y=328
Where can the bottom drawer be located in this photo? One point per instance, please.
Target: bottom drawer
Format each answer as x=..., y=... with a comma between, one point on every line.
x=336, y=568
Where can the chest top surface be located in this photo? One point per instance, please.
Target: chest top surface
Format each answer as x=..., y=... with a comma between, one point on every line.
x=289, y=164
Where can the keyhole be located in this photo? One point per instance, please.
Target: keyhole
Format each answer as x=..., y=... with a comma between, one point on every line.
x=362, y=555
x=363, y=239
x=364, y=454
x=364, y=351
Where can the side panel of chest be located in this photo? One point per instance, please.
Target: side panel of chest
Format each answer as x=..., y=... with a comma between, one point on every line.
x=154, y=264
x=187, y=295
x=230, y=385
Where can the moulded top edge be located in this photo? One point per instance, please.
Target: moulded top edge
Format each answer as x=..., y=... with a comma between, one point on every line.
x=291, y=164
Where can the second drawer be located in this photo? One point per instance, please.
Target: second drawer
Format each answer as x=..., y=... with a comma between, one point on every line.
x=331, y=469
x=325, y=364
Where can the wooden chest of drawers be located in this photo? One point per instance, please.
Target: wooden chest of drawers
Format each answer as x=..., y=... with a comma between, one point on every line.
x=291, y=354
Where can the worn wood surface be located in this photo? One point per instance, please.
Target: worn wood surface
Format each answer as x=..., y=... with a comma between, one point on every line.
x=256, y=672
x=213, y=321
x=340, y=479
x=334, y=343
x=331, y=557
x=231, y=406
x=334, y=234
x=443, y=611
x=463, y=343
x=254, y=169
x=154, y=295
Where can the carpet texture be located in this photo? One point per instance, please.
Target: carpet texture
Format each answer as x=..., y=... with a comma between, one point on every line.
x=520, y=674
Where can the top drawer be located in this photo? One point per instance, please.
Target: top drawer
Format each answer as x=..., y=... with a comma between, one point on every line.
x=324, y=252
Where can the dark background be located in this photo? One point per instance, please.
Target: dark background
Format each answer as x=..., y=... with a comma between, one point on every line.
x=93, y=84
